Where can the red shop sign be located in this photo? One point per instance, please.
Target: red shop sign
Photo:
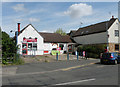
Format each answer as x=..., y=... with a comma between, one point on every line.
x=30, y=40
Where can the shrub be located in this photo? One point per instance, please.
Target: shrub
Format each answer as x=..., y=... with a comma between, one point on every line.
x=17, y=60
x=92, y=51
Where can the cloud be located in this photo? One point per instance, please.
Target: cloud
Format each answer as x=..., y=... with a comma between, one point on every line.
x=79, y=10
x=18, y=20
x=47, y=31
x=19, y=7
x=33, y=20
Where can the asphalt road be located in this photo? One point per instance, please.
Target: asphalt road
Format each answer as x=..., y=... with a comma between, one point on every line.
x=84, y=72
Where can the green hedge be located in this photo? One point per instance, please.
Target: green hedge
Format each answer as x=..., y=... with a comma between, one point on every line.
x=92, y=51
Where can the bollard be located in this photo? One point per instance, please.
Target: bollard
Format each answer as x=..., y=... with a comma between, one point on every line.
x=77, y=55
x=67, y=56
x=57, y=56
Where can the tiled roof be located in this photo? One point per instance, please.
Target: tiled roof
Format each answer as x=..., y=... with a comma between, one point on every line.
x=55, y=38
x=95, y=28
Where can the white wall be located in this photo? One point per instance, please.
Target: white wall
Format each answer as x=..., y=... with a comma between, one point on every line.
x=111, y=32
x=92, y=38
x=31, y=32
x=49, y=47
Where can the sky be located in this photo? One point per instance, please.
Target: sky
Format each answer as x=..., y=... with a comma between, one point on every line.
x=49, y=16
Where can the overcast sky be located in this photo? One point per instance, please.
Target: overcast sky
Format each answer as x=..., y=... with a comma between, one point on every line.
x=49, y=16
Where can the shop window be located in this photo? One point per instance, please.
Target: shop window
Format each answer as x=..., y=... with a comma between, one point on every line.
x=61, y=46
x=29, y=45
x=35, y=46
x=116, y=47
x=24, y=45
x=116, y=33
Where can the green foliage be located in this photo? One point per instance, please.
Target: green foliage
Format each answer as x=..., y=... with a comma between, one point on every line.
x=92, y=51
x=60, y=31
x=8, y=46
x=9, y=49
x=19, y=61
x=4, y=62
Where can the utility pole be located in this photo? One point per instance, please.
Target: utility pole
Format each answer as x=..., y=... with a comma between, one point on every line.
x=107, y=37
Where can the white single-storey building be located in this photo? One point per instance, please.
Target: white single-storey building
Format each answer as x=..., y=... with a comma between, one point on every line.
x=32, y=42
x=106, y=32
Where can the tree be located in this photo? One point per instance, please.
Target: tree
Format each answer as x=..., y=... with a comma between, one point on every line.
x=8, y=46
x=60, y=31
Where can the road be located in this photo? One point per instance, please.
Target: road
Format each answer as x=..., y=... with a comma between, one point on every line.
x=84, y=72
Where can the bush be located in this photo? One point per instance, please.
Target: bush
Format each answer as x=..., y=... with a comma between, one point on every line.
x=92, y=55
x=9, y=48
x=15, y=60
x=18, y=62
x=92, y=51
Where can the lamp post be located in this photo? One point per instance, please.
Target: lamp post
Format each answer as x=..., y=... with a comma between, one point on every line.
x=16, y=33
x=107, y=37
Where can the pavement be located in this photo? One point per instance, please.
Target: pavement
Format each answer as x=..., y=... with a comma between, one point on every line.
x=73, y=72
x=49, y=58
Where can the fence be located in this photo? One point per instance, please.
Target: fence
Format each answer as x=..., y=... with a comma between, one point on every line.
x=10, y=59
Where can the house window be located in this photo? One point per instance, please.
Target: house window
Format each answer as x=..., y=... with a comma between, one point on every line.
x=116, y=33
x=116, y=47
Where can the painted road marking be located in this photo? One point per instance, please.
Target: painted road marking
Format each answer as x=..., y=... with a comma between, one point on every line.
x=66, y=69
x=100, y=66
x=63, y=69
x=68, y=83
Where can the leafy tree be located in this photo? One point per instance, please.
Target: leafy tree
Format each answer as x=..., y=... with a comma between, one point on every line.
x=8, y=46
x=60, y=31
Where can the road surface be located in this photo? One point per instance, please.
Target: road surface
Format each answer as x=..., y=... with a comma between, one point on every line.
x=83, y=72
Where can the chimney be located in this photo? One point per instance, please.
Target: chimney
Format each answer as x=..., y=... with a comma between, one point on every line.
x=18, y=27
